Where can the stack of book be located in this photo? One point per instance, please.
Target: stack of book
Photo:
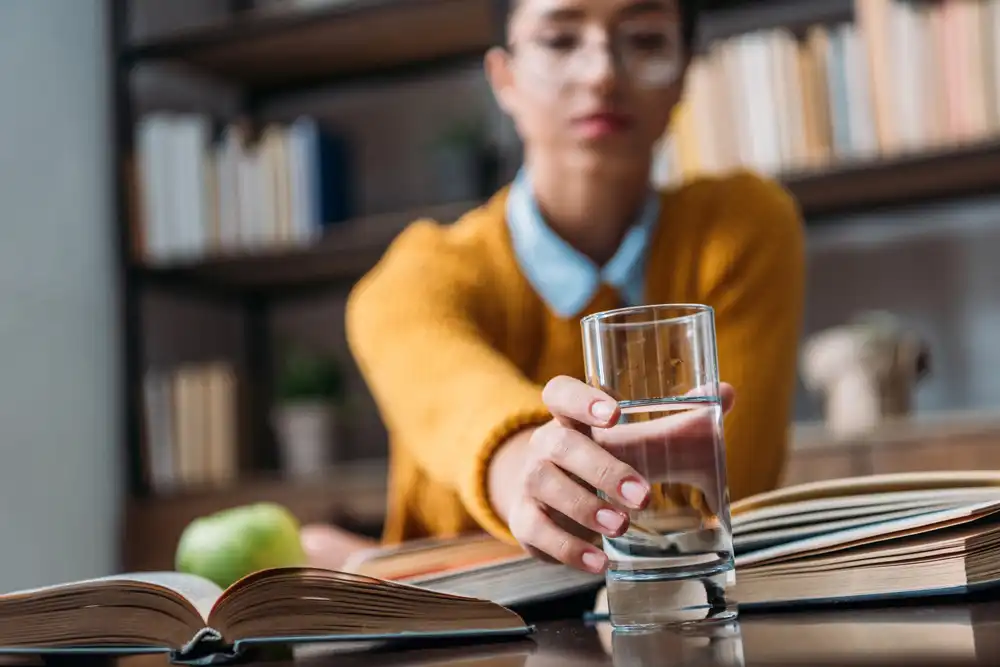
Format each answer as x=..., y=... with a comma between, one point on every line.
x=904, y=77
x=192, y=428
x=203, y=191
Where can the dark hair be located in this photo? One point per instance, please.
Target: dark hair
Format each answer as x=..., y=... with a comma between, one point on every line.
x=689, y=19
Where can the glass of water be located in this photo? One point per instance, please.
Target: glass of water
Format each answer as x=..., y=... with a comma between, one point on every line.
x=674, y=565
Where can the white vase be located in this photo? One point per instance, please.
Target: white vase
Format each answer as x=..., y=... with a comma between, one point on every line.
x=307, y=437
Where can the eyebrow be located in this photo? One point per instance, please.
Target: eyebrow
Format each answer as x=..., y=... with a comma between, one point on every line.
x=563, y=14
x=646, y=7
x=575, y=13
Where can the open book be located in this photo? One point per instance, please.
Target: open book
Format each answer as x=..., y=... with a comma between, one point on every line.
x=876, y=537
x=872, y=537
x=196, y=622
x=476, y=566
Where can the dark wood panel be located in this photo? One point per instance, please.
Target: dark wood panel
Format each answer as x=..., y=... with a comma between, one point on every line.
x=964, y=448
x=726, y=18
x=347, y=252
x=899, y=181
x=268, y=50
x=282, y=51
x=353, y=497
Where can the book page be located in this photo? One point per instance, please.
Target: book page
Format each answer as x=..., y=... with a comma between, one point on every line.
x=842, y=507
x=867, y=534
x=200, y=592
x=745, y=541
x=431, y=557
x=869, y=484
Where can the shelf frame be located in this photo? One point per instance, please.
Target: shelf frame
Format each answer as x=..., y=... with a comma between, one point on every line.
x=344, y=257
x=900, y=181
x=256, y=279
x=252, y=282
x=270, y=54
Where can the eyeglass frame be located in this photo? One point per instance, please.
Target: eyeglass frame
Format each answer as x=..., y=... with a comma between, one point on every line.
x=665, y=74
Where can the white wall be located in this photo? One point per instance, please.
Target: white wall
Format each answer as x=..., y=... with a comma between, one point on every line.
x=936, y=267
x=59, y=344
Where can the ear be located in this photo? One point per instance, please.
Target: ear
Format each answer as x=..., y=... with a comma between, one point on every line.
x=501, y=78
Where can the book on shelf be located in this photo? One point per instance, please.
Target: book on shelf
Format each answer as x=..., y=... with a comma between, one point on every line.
x=206, y=192
x=901, y=78
x=192, y=427
x=193, y=621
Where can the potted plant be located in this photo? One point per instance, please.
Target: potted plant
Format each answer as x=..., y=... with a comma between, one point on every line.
x=308, y=411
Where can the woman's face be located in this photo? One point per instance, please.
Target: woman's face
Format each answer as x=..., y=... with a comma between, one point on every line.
x=591, y=80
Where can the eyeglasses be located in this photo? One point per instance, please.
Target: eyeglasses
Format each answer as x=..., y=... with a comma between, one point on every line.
x=649, y=55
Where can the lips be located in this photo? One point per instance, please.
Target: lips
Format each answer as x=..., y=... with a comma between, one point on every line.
x=603, y=123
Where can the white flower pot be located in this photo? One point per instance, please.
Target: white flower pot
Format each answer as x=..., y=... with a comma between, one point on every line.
x=307, y=436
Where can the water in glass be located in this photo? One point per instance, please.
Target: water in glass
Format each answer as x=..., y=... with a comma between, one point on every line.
x=675, y=562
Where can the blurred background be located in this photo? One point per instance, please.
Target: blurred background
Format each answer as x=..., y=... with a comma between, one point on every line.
x=189, y=189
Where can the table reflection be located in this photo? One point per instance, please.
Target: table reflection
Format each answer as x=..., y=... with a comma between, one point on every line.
x=714, y=644
x=912, y=636
x=954, y=635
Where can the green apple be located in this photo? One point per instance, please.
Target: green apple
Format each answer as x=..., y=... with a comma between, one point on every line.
x=228, y=545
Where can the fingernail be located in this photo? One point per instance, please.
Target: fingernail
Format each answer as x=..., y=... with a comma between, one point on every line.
x=594, y=561
x=611, y=520
x=602, y=410
x=634, y=492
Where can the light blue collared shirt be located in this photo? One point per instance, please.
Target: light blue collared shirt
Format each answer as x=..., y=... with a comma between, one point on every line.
x=562, y=276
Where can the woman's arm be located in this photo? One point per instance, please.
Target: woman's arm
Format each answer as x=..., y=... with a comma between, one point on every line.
x=754, y=277
x=419, y=326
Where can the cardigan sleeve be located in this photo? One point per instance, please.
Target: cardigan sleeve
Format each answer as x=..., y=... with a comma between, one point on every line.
x=419, y=326
x=753, y=274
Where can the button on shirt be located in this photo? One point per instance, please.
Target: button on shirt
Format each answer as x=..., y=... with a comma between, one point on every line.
x=562, y=276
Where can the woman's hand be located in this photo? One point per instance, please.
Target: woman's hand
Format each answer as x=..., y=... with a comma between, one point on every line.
x=542, y=481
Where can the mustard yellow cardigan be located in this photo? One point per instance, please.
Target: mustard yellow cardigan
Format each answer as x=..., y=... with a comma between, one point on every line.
x=456, y=346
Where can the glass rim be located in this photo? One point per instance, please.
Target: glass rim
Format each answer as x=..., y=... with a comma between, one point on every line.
x=602, y=318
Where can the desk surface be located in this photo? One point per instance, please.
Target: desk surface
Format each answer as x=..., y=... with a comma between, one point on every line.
x=925, y=636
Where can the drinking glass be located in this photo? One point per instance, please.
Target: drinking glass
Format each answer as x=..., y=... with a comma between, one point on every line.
x=674, y=564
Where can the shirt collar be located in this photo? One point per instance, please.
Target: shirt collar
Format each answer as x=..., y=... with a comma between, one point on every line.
x=563, y=277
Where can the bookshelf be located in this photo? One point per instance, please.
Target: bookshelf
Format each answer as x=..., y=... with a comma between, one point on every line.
x=265, y=53
x=270, y=54
x=343, y=254
x=895, y=103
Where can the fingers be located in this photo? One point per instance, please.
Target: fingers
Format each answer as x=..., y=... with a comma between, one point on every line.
x=570, y=399
x=725, y=391
x=563, y=468
x=532, y=526
x=727, y=395
x=578, y=455
x=555, y=489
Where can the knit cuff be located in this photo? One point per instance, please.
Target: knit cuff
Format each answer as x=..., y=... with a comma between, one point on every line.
x=477, y=490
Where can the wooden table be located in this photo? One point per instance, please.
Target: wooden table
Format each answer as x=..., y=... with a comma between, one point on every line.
x=939, y=635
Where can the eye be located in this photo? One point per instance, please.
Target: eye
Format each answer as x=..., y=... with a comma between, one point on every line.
x=649, y=41
x=559, y=41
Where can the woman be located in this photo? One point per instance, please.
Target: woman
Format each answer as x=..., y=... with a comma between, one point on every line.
x=469, y=334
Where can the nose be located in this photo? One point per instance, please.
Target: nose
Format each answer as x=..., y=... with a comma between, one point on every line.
x=600, y=67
